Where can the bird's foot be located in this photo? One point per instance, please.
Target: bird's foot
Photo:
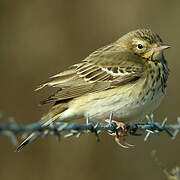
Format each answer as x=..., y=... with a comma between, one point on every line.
x=120, y=133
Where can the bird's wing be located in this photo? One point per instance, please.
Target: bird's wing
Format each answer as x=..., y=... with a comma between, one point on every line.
x=101, y=70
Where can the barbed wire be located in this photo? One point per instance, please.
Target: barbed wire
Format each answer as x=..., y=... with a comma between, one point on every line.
x=121, y=129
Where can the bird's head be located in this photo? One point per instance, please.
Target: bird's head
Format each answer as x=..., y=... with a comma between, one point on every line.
x=144, y=43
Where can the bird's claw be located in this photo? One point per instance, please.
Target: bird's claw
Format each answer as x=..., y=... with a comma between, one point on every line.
x=121, y=131
x=121, y=142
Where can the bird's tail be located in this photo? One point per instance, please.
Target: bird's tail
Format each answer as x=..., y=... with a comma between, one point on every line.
x=52, y=115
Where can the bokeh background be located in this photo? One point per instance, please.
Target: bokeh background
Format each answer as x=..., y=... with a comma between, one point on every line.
x=39, y=38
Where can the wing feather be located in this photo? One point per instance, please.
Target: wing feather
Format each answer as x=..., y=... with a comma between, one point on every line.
x=99, y=71
x=76, y=91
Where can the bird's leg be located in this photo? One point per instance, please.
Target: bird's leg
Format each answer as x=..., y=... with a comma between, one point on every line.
x=121, y=131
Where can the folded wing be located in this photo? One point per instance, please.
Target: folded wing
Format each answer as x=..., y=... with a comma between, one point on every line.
x=100, y=71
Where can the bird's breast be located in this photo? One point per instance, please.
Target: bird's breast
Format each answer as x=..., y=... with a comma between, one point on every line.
x=131, y=101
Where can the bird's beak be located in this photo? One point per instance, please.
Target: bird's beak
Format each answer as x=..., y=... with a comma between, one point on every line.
x=161, y=47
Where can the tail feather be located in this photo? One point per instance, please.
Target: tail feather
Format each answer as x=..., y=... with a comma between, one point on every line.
x=28, y=140
x=54, y=113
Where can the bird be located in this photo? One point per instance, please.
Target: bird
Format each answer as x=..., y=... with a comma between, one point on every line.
x=127, y=77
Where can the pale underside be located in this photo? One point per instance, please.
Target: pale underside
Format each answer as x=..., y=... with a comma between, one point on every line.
x=124, y=102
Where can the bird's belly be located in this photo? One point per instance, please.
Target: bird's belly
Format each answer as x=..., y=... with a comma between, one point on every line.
x=125, y=104
x=123, y=108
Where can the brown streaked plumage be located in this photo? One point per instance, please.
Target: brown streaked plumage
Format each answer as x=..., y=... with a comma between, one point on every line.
x=127, y=77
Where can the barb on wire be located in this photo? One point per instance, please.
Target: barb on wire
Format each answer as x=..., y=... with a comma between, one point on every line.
x=12, y=129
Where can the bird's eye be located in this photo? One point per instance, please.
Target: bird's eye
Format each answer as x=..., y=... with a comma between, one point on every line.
x=139, y=46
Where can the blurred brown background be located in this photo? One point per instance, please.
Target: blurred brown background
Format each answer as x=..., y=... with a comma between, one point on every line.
x=39, y=38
